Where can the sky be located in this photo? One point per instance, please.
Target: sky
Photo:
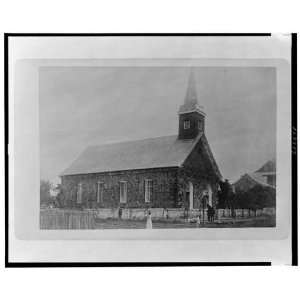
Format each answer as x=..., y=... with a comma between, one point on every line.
x=83, y=106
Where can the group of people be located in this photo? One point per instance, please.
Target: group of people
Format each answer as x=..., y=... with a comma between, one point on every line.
x=210, y=213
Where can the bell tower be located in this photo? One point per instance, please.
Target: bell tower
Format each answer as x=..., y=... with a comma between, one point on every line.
x=191, y=115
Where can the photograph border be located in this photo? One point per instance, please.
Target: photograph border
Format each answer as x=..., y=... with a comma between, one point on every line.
x=294, y=223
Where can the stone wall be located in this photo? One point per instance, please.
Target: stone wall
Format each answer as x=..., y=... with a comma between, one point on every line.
x=164, y=188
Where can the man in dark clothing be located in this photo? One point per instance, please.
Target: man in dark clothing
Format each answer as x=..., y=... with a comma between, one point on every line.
x=212, y=214
x=120, y=212
x=208, y=213
x=186, y=213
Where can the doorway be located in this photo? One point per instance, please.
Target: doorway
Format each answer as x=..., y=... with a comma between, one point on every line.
x=190, y=195
x=209, y=189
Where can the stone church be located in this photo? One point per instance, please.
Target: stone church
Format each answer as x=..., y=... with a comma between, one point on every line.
x=164, y=172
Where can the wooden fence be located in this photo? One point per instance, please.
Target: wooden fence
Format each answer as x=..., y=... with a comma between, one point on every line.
x=86, y=219
x=67, y=219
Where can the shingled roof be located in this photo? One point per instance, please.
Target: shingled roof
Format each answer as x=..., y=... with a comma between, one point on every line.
x=160, y=152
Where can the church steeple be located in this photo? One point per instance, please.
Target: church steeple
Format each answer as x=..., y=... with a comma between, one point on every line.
x=191, y=93
x=191, y=114
x=191, y=99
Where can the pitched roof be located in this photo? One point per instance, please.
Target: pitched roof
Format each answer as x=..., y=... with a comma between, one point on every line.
x=268, y=167
x=160, y=152
x=259, y=179
x=211, y=156
x=255, y=178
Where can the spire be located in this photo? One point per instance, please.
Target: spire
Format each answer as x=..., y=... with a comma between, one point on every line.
x=191, y=101
x=191, y=93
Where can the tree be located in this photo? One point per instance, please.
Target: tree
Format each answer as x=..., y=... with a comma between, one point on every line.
x=224, y=194
x=256, y=198
x=59, y=198
x=45, y=196
x=262, y=197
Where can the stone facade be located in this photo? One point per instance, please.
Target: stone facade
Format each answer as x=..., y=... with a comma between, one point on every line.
x=164, y=188
x=198, y=171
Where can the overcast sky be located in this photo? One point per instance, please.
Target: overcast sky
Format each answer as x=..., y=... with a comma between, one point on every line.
x=81, y=106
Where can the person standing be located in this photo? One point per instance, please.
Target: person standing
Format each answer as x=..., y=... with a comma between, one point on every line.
x=204, y=201
x=120, y=213
x=149, y=220
x=199, y=218
x=186, y=213
x=208, y=213
x=213, y=211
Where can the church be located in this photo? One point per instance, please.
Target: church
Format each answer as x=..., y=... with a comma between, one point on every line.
x=163, y=172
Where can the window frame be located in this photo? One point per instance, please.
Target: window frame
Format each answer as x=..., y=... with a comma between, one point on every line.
x=123, y=183
x=79, y=193
x=148, y=190
x=186, y=126
x=99, y=196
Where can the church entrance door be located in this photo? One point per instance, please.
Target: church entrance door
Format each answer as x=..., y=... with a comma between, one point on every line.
x=209, y=194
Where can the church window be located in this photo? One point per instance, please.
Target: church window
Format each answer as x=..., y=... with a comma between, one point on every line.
x=186, y=124
x=148, y=190
x=100, y=188
x=123, y=191
x=79, y=193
